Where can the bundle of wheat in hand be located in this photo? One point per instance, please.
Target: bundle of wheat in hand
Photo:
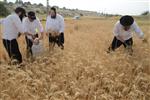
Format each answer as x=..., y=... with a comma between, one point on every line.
x=53, y=32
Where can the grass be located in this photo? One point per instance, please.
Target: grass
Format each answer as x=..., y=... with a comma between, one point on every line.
x=83, y=71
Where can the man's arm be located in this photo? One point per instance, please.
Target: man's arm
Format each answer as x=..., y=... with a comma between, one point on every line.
x=138, y=31
x=25, y=28
x=41, y=29
x=62, y=25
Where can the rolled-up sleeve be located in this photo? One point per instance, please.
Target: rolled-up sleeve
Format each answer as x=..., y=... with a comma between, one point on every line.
x=137, y=30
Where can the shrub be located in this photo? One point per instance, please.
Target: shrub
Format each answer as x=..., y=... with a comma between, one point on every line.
x=3, y=10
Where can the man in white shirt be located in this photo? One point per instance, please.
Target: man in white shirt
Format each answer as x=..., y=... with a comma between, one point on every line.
x=32, y=28
x=12, y=27
x=123, y=33
x=55, y=28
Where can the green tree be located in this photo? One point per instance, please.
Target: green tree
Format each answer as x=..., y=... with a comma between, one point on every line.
x=145, y=13
x=3, y=10
x=17, y=1
x=5, y=1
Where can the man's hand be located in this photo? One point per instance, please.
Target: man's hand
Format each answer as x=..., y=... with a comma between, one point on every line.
x=19, y=34
x=36, y=41
x=47, y=34
x=33, y=37
x=53, y=33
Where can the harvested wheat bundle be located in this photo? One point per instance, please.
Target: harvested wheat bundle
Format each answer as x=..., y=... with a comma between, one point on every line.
x=53, y=32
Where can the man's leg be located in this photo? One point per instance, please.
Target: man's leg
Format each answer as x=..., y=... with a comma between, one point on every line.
x=6, y=44
x=115, y=44
x=51, y=42
x=29, y=47
x=61, y=40
x=128, y=45
x=15, y=51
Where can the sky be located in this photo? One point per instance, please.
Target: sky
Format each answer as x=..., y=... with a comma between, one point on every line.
x=123, y=7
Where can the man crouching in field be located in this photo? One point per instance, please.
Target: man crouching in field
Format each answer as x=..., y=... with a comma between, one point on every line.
x=12, y=27
x=55, y=29
x=32, y=28
x=123, y=34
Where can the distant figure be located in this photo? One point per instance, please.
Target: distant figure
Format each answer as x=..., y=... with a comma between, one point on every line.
x=33, y=30
x=55, y=29
x=12, y=27
x=123, y=33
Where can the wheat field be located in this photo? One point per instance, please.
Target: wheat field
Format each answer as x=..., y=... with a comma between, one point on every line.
x=83, y=70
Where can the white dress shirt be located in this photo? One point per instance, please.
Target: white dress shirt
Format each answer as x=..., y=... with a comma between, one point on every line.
x=11, y=27
x=56, y=24
x=32, y=27
x=119, y=31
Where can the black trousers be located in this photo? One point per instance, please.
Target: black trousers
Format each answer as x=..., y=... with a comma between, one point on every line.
x=58, y=39
x=12, y=49
x=29, y=46
x=117, y=43
x=62, y=39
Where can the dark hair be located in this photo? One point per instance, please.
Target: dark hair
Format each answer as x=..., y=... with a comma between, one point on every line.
x=31, y=15
x=126, y=20
x=23, y=12
x=19, y=9
x=54, y=9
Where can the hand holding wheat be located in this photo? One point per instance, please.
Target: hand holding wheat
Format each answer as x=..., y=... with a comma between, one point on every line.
x=53, y=32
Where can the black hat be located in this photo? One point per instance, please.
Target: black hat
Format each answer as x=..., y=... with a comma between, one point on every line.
x=31, y=15
x=126, y=20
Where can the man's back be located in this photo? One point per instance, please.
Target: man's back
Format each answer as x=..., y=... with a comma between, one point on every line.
x=12, y=26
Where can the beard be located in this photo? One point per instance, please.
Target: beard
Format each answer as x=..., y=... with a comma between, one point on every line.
x=21, y=17
x=53, y=17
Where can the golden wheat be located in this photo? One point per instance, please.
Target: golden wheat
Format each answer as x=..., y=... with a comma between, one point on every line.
x=83, y=71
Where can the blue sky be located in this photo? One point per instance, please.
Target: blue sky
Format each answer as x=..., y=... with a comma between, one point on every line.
x=123, y=7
